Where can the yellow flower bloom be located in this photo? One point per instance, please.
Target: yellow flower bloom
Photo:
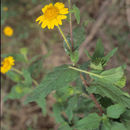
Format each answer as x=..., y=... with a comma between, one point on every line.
x=53, y=15
x=8, y=31
x=7, y=64
x=5, y=8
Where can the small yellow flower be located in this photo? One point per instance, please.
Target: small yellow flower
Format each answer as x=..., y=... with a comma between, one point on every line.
x=53, y=15
x=7, y=64
x=5, y=8
x=8, y=31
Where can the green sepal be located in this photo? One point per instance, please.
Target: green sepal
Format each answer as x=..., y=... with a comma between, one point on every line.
x=96, y=67
x=74, y=56
x=98, y=60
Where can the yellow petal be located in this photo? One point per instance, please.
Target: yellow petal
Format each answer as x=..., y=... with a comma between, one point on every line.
x=43, y=25
x=55, y=22
x=39, y=18
x=48, y=25
x=44, y=9
x=59, y=5
x=50, y=5
x=64, y=11
x=59, y=22
x=62, y=17
x=52, y=26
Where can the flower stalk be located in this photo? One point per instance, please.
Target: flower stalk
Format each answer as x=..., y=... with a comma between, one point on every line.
x=64, y=37
x=71, y=31
x=19, y=72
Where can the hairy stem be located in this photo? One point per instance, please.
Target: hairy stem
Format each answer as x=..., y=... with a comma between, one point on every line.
x=92, y=96
x=71, y=32
x=84, y=71
x=19, y=72
x=64, y=37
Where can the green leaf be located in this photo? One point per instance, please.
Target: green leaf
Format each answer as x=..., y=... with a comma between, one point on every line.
x=27, y=77
x=76, y=13
x=60, y=77
x=99, y=50
x=36, y=68
x=65, y=126
x=112, y=92
x=63, y=93
x=42, y=104
x=57, y=113
x=85, y=105
x=17, y=92
x=72, y=103
x=79, y=36
x=125, y=117
x=114, y=111
x=87, y=53
x=14, y=76
x=97, y=58
x=121, y=83
x=109, y=55
x=112, y=75
x=34, y=59
x=106, y=125
x=92, y=121
x=19, y=57
x=118, y=126
x=85, y=65
x=126, y=94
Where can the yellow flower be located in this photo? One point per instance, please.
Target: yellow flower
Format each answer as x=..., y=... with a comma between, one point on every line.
x=53, y=15
x=8, y=31
x=7, y=64
x=5, y=8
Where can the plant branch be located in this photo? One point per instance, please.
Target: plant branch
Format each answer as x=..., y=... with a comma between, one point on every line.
x=90, y=73
x=71, y=32
x=19, y=72
x=92, y=96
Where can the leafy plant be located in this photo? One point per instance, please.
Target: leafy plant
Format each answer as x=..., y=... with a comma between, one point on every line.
x=88, y=97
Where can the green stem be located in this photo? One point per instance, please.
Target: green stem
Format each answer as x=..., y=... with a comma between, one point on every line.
x=90, y=73
x=64, y=37
x=71, y=32
x=19, y=72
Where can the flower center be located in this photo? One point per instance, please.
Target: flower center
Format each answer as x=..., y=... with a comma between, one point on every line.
x=51, y=13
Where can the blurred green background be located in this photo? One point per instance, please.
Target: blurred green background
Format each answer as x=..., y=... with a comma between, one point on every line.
x=108, y=20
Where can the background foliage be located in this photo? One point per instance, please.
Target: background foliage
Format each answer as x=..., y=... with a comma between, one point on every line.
x=37, y=51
